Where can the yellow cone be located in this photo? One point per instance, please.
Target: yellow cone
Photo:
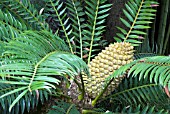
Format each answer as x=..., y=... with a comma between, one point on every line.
x=103, y=65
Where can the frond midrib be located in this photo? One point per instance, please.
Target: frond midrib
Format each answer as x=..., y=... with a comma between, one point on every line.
x=36, y=68
x=133, y=24
x=93, y=32
x=130, y=89
x=80, y=30
x=64, y=29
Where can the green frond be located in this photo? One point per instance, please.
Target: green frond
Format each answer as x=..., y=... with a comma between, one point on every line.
x=97, y=11
x=34, y=59
x=2, y=49
x=61, y=107
x=78, y=21
x=10, y=26
x=81, y=32
x=29, y=101
x=141, y=110
x=139, y=14
x=26, y=13
x=157, y=68
x=7, y=33
x=59, y=13
x=147, y=109
x=8, y=19
x=133, y=92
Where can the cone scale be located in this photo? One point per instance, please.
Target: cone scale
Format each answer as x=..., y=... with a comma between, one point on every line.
x=104, y=64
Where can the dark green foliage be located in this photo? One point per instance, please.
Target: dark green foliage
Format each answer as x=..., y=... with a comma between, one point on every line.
x=157, y=39
x=38, y=4
x=82, y=31
x=132, y=92
x=29, y=101
x=10, y=26
x=78, y=20
x=25, y=12
x=163, y=40
x=55, y=9
x=141, y=110
x=63, y=108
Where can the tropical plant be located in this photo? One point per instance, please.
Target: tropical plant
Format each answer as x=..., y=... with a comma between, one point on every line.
x=139, y=14
x=39, y=60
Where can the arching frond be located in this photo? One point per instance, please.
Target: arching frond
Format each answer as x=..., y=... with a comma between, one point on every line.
x=134, y=92
x=139, y=14
x=34, y=59
x=29, y=101
x=97, y=11
x=10, y=28
x=59, y=13
x=26, y=13
x=156, y=68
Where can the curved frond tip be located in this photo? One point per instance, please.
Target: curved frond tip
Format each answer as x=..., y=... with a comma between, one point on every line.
x=139, y=14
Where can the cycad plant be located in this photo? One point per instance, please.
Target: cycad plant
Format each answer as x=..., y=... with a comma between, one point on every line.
x=37, y=61
x=139, y=14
